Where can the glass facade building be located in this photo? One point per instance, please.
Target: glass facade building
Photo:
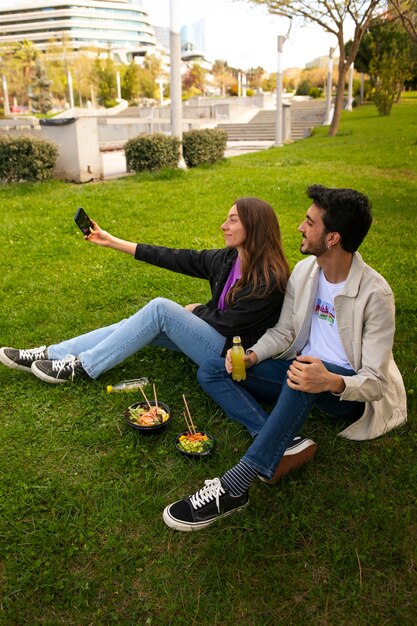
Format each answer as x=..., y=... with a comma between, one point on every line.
x=107, y=24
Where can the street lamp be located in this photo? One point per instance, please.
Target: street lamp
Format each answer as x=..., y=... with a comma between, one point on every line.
x=161, y=83
x=350, y=89
x=278, y=112
x=327, y=119
x=175, y=76
x=5, y=97
x=71, y=93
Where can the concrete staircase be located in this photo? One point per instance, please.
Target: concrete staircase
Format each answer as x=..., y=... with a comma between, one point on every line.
x=304, y=116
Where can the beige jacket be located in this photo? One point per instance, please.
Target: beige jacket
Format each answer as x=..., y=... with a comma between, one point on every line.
x=365, y=314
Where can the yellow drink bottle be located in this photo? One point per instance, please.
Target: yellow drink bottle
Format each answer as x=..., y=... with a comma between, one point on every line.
x=239, y=369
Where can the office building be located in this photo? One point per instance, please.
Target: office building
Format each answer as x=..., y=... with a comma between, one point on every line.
x=104, y=24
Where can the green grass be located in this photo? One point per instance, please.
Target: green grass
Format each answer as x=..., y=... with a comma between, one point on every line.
x=82, y=540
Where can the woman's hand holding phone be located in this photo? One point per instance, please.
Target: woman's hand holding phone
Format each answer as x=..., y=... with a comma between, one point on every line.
x=98, y=236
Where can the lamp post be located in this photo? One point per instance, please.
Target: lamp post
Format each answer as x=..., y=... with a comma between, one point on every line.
x=175, y=76
x=329, y=88
x=5, y=97
x=71, y=93
x=350, y=89
x=278, y=112
x=161, y=82
x=118, y=87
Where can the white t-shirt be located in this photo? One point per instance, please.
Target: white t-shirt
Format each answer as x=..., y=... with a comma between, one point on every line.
x=324, y=340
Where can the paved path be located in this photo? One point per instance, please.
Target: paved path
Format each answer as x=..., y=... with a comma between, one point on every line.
x=114, y=162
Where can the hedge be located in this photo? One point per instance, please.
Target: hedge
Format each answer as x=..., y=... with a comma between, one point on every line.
x=26, y=159
x=152, y=152
x=203, y=146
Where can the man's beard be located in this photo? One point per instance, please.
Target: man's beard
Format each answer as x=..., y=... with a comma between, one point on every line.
x=316, y=250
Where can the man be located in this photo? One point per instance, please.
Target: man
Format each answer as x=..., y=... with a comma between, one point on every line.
x=331, y=348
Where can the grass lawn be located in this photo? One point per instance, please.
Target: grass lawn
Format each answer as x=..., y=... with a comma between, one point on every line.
x=82, y=539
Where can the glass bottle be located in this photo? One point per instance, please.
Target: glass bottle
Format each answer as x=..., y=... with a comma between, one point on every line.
x=127, y=385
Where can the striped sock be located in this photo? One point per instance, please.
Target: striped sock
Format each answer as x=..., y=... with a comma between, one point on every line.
x=239, y=478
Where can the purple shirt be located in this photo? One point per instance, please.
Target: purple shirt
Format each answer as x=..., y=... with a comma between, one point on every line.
x=234, y=275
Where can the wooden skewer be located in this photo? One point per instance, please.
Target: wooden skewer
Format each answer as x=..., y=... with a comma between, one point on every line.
x=154, y=395
x=189, y=414
x=186, y=421
x=144, y=395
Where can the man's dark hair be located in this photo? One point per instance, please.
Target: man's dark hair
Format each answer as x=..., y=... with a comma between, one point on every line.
x=346, y=211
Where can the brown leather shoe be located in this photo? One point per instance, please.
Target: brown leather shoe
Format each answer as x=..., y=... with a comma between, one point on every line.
x=299, y=452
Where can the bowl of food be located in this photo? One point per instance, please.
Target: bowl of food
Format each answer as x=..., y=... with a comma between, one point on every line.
x=195, y=445
x=148, y=417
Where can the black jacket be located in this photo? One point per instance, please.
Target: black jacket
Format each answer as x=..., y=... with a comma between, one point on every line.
x=248, y=317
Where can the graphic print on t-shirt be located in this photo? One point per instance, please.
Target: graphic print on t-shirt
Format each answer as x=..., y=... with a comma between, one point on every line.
x=325, y=311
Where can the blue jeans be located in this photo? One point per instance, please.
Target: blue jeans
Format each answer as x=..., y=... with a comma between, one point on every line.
x=267, y=381
x=160, y=323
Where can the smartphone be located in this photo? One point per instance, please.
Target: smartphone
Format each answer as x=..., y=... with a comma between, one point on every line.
x=83, y=221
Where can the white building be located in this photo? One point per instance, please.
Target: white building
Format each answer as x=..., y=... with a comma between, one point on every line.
x=108, y=24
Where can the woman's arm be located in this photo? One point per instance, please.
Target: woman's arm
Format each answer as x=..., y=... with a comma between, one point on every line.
x=106, y=240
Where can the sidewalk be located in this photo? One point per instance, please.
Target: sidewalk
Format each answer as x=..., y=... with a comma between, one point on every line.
x=114, y=162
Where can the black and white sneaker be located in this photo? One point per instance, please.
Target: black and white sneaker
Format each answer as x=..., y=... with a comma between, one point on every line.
x=299, y=452
x=204, y=507
x=59, y=370
x=22, y=359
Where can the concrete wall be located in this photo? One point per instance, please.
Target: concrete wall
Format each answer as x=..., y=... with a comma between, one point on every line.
x=78, y=147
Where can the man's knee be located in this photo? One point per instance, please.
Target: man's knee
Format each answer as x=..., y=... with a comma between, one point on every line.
x=211, y=369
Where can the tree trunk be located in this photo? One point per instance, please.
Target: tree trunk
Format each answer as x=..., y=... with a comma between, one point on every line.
x=340, y=90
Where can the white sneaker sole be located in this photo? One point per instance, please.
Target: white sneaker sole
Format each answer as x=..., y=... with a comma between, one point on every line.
x=190, y=526
x=47, y=379
x=12, y=364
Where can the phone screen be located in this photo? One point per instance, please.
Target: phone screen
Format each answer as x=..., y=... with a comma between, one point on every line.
x=83, y=221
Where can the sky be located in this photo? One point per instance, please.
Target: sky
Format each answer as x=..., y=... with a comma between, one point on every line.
x=245, y=35
x=241, y=33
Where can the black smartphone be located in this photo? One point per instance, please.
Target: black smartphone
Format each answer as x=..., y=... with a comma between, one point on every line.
x=83, y=221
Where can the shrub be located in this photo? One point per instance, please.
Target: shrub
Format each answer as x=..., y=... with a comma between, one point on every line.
x=152, y=152
x=26, y=159
x=315, y=92
x=203, y=146
x=303, y=88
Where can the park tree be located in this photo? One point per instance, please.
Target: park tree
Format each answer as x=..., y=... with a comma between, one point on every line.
x=41, y=95
x=255, y=76
x=386, y=55
x=26, y=54
x=103, y=76
x=333, y=16
x=223, y=77
x=406, y=12
x=130, y=82
x=194, y=80
x=148, y=73
x=390, y=63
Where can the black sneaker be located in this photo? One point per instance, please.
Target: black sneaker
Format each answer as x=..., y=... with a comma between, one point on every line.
x=22, y=359
x=204, y=507
x=59, y=370
x=299, y=452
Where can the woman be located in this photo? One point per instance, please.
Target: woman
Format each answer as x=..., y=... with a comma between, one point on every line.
x=247, y=279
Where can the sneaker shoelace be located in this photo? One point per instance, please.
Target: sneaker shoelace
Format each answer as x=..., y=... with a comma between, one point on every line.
x=212, y=490
x=67, y=363
x=33, y=353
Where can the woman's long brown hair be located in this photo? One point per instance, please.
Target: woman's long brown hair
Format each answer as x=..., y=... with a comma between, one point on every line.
x=262, y=254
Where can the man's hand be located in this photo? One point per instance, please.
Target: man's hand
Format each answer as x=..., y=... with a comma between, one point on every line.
x=307, y=373
x=191, y=307
x=248, y=359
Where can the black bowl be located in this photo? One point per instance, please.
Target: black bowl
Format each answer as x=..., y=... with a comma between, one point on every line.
x=147, y=429
x=195, y=455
